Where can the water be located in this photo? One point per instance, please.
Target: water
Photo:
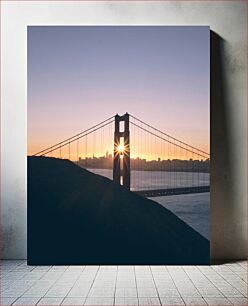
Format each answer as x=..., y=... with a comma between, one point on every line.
x=141, y=180
x=193, y=209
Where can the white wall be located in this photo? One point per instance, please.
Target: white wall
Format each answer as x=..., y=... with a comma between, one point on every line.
x=226, y=18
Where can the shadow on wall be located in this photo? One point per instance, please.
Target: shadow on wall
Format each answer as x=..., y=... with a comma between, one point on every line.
x=223, y=224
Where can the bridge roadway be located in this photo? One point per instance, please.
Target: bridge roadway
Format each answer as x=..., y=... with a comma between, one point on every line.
x=172, y=191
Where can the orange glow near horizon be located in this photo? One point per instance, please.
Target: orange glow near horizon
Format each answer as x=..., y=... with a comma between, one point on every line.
x=64, y=154
x=102, y=144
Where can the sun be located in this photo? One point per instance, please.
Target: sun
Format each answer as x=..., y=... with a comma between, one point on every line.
x=120, y=148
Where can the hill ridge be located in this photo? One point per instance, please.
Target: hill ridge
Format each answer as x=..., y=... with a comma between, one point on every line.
x=77, y=217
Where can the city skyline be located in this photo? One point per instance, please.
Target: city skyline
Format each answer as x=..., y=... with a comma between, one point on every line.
x=64, y=154
x=159, y=73
x=160, y=164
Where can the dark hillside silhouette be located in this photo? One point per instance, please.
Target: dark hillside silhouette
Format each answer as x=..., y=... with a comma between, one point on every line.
x=77, y=217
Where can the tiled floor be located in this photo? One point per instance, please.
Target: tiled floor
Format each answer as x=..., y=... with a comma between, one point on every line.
x=123, y=285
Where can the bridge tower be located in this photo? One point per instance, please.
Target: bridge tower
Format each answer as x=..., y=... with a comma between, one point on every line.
x=121, y=166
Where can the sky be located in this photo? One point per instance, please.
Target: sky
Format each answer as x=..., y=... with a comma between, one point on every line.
x=80, y=75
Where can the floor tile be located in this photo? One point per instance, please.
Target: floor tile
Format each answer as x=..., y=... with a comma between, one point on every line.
x=123, y=285
x=79, y=291
x=126, y=292
x=6, y=301
x=147, y=292
x=239, y=301
x=73, y=301
x=164, y=292
x=126, y=301
x=102, y=292
x=26, y=301
x=194, y=301
x=58, y=291
x=167, y=301
x=230, y=291
x=99, y=301
x=50, y=301
x=217, y=301
x=149, y=301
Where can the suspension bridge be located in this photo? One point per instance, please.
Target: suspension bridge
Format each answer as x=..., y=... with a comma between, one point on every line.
x=137, y=156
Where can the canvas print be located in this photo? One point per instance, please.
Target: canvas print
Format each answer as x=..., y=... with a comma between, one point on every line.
x=118, y=145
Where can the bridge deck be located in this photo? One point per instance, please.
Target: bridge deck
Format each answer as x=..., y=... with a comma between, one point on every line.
x=172, y=191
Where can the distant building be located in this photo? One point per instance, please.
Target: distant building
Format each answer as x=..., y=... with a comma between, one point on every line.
x=106, y=162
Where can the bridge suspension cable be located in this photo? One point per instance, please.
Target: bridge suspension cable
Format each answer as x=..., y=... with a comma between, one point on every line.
x=76, y=137
x=194, y=150
x=164, y=165
x=160, y=164
x=173, y=138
